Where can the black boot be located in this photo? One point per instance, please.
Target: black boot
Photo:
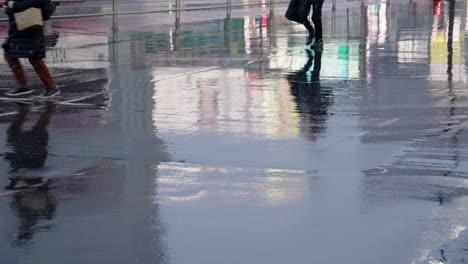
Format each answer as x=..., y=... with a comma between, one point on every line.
x=310, y=38
x=318, y=44
x=311, y=31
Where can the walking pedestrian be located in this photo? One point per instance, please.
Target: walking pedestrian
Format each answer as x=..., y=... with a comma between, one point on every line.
x=315, y=32
x=30, y=44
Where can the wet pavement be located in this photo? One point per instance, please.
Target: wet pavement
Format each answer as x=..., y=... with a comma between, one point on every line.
x=206, y=139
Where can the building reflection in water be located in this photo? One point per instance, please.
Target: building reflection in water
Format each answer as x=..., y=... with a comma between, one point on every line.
x=28, y=156
x=235, y=81
x=244, y=91
x=432, y=61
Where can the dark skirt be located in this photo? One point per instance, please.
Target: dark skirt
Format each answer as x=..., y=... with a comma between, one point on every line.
x=28, y=43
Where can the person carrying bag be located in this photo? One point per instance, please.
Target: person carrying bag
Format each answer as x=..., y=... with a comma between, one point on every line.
x=299, y=10
x=26, y=40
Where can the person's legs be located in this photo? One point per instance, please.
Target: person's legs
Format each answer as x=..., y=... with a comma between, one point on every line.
x=16, y=68
x=310, y=29
x=317, y=19
x=20, y=76
x=43, y=72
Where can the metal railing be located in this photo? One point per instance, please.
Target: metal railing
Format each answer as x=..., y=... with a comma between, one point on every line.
x=114, y=7
x=68, y=8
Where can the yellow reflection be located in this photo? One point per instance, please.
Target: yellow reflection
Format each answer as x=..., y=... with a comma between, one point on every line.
x=440, y=50
x=282, y=117
x=270, y=186
x=285, y=190
x=193, y=197
x=285, y=171
x=456, y=230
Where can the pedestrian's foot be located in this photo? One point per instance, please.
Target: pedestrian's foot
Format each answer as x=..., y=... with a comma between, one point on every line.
x=318, y=44
x=19, y=91
x=49, y=93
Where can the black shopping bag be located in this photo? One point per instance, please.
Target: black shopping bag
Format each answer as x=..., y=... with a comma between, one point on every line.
x=298, y=10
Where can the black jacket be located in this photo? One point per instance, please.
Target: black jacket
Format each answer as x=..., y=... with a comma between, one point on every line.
x=29, y=43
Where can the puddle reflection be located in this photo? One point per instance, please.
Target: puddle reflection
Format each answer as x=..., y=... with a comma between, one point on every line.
x=392, y=72
x=191, y=183
x=246, y=93
x=28, y=156
x=312, y=101
x=29, y=147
